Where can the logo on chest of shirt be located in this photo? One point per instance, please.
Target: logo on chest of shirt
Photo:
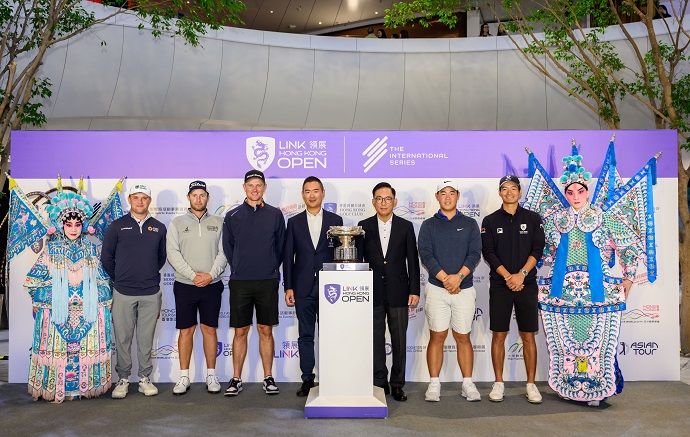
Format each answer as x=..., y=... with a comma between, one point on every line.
x=152, y=229
x=499, y=230
x=186, y=230
x=212, y=228
x=128, y=228
x=523, y=228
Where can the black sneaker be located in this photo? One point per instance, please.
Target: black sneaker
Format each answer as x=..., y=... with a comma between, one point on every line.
x=235, y=387
x=270, y=386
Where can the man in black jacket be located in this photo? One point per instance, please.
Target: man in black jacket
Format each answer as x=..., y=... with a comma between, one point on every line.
x=133, y=253
x=390, y=248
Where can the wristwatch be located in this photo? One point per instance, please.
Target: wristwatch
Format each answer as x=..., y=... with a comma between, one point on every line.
x=524, y=272
x=462, y=276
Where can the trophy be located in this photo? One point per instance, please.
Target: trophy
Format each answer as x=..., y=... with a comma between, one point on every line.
x=346, y=252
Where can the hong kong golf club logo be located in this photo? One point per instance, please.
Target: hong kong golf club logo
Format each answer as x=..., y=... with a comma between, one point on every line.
x=260, y=152
x=332, y=292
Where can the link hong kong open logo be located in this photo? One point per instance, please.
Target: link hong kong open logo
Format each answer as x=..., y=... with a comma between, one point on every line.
x=332, y=292
x=260, y=152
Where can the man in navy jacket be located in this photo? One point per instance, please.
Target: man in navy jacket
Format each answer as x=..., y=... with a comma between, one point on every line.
x=133, y=253
x=306, y=249
x=253, y=239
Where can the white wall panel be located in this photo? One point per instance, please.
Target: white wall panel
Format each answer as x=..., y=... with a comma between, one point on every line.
x=53, y=68
x=521, y=94
x=144, y=75
x=242, y=82
x=380, y=94
x=194, y=79
x=288, y=88
x=334, y=95
x=426, y=100
x=90, y=74
x=245, y=79
x=473, y=91
x=563, y=111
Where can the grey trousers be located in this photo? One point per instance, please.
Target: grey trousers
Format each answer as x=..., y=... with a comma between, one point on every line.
x=130, y=312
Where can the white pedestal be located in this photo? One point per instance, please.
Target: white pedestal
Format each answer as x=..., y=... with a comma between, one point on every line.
x=346, y=362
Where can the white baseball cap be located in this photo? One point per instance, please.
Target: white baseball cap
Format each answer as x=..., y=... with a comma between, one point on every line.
x=140, y=188
x=443, y=183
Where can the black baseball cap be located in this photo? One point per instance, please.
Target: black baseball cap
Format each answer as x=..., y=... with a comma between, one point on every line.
x=197, y=185
x=254, y=174
x=509, y=178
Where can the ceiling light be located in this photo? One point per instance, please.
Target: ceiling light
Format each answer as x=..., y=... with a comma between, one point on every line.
x=271, y=11
x=319, y=22
x=376, y=13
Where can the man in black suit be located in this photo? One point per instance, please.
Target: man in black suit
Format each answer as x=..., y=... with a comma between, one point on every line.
x=390, y=247
x=306, y=249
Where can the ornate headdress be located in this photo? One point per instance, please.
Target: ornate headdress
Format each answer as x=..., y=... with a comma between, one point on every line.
x=574, y=171
x=68, y=205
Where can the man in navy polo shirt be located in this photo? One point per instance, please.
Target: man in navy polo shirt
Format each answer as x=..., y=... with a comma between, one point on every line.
x=253, y=238
x=133, y=253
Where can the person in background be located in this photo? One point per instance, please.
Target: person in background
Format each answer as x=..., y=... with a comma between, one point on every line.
x=485, y=30
x=381, y=34
x=370, y=33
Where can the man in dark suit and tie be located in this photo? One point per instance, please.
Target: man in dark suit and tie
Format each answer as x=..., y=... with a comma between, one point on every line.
x=390, y=247
x=306, y=249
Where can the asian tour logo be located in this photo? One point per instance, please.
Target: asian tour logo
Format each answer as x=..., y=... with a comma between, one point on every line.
x=332, y=292
x=637, y=348
x=376, y=150
x=260, y=152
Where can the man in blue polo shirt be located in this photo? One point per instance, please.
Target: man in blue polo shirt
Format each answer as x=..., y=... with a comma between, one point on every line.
x=133, y=253
x=253, y=238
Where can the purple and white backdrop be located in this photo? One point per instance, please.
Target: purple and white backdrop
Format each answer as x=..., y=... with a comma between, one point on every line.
x=350, y=163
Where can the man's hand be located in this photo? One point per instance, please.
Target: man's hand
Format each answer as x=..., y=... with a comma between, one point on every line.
x=452, y=283
x=202, y=279
x=627, y=284
x=514, y=282
x=412, y=300
x=290, y=297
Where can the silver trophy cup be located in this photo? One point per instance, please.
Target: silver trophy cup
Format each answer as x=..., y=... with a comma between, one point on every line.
x=346, y=252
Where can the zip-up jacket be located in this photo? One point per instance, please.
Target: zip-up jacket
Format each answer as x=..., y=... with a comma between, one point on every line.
x=449, y=245
x=194, y=246
x=253, y=241
x=133, y=255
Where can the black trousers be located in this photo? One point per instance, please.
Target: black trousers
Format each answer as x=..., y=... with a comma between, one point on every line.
x=397, y=326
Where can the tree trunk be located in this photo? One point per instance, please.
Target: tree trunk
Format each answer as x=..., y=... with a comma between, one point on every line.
x=684, y=256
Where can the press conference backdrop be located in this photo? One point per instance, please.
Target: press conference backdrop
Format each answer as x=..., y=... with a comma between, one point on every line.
x=350, y=163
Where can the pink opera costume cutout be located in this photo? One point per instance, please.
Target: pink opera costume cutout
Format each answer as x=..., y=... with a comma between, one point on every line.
x=581, y=302
x=70, y=293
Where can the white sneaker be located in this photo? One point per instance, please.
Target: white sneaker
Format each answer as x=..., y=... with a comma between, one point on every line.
x=182, y=386
x=146, y=387
x=497, y=392
x=593, y=403
x=533, y=395
x=433, y=392
x=212, y=384
x=469, y=391
x=120, y=390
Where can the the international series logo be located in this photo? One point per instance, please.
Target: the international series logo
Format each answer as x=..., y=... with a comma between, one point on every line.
x=376, y=150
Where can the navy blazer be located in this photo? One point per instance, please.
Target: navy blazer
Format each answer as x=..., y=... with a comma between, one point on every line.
x=301, y=262
x=397, y=275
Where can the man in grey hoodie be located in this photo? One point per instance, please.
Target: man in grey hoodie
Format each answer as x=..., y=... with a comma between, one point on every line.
x=450, y=247
x=194, y=250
